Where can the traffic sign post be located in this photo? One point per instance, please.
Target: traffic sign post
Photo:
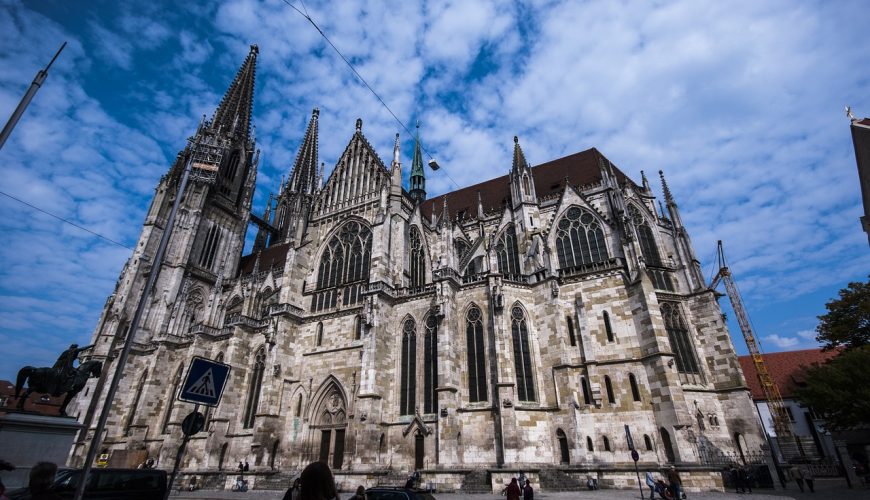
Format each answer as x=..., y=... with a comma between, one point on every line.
x=205, y=382
x=634, y=456
x=204, y=385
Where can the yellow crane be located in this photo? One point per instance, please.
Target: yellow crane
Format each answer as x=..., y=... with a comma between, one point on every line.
x=781, y=421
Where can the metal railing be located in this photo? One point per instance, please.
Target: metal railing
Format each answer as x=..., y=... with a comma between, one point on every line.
x=593, y=267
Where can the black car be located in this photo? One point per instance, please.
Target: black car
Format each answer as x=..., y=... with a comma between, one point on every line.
x=388, y=493
x=104, y=484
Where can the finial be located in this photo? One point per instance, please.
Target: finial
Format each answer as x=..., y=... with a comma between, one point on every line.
x=255, y=49
x=396, y=148
x=667, y=191
x=644, y=181
x=418, y=124
x=849, y=114
x=359, y=124
x=516, y=140
x=662, y=210
x=315, y=112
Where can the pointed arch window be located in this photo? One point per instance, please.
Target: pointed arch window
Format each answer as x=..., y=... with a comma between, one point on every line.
x=606, y=442
x=417, y=259
x=298, y=412
x=344, y=267
x=635, y=392
x=506, y=250
x=210, y=247
x=579, y=239
x=254, y=388
x=461, y=248
x=571, y=336
x=430, y=365
x=135, y=406
x=318, y=335
x=408, y=384
x=475, y=354
x=584, y=384
x=607, y=328
x=608, y=385
x=645, y=237
x=357, y=327
x=170, y=404
x=647, y=442
x=678, y=334
x=589, y=445
x=522, y=356
x=232, y=167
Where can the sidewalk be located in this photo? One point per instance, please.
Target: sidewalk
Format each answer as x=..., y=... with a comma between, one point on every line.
x=825, y=489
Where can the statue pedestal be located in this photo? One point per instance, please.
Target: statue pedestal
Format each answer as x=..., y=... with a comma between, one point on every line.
x=30, y=438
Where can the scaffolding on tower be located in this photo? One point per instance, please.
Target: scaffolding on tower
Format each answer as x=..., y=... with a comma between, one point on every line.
x=205, y=162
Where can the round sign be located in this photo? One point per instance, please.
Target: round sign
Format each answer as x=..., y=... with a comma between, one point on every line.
x=193, y=423
x=634, y=455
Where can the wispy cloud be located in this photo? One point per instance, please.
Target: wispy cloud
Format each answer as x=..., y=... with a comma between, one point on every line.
x=739, y=103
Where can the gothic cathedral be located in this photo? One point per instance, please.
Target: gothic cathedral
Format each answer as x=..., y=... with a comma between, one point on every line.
x=525, y=323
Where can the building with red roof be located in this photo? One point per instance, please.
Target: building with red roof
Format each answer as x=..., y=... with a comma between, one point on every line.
x=787, y=370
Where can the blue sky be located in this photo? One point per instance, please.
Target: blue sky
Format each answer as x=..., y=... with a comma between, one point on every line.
x=741, y=103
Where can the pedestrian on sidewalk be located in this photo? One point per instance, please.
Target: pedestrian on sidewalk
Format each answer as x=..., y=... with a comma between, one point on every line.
x=528, y=492
x=746, y=478
x=675, y=482
x=651, y=482
x=512, y=491
x=807, y=473
x=798, y=477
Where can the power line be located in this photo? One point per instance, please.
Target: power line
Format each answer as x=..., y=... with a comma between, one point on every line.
x=363, y=80
x=71, y=223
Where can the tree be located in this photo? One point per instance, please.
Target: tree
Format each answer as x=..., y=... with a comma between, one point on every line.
x=847, y=323
x=840, y=389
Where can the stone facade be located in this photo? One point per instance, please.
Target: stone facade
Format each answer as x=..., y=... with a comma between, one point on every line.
x=509, y=343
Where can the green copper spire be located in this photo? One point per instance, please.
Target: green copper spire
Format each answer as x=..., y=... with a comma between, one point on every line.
x=418, y=177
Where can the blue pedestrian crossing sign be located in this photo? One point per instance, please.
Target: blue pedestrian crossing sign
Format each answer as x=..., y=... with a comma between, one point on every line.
x=205, y=382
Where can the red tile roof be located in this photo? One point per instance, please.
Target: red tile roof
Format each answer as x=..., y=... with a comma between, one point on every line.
x=786, y=369
x=36, y=403
x=579, y=168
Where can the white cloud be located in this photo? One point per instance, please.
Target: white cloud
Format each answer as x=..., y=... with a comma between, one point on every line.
x=782, y=342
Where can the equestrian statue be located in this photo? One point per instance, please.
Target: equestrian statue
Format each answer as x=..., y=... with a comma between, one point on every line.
x=59, y=379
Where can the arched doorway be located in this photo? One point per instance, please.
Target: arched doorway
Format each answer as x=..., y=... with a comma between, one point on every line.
x=669, y=448
x=419, y=451
x=565, y=456
x=330, y=423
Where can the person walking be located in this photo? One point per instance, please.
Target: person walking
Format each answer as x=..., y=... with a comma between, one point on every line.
x=41, y=481
x=528, y=492
x=745, y=479
x=360, y=493
x=512, y=491
x=675, y=482
x=798, y=477
x=807, y=473
x=651, y=482
x=315, y=483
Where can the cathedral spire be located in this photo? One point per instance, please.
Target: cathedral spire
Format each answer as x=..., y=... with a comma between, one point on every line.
x=521, y=178
x=233, y=115
x=304, y=178
x=418, y=177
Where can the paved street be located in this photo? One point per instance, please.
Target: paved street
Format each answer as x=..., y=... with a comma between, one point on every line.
x=825, y=489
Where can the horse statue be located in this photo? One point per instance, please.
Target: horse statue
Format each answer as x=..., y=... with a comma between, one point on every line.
x=50, y=381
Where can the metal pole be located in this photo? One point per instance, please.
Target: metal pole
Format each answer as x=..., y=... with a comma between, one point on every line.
x=639, y=484
x=128, y=342
x=28, y=96
x=178, y=457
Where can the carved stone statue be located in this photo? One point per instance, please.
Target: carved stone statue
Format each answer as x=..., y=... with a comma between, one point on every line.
x=61, y=378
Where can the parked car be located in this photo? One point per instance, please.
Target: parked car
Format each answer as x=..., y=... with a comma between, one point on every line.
x=103, y=484
x=390, y=493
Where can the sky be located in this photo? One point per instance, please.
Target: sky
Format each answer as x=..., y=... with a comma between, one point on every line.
x=740, y=103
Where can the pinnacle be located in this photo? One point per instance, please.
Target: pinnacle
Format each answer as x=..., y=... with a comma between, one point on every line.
x=303, y=178
x=233, y=115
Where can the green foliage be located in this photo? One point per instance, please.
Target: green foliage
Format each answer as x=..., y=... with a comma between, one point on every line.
x=847, y=323
x=840, y=389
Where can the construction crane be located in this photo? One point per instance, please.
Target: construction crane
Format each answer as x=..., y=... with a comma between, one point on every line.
x=781, y=421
